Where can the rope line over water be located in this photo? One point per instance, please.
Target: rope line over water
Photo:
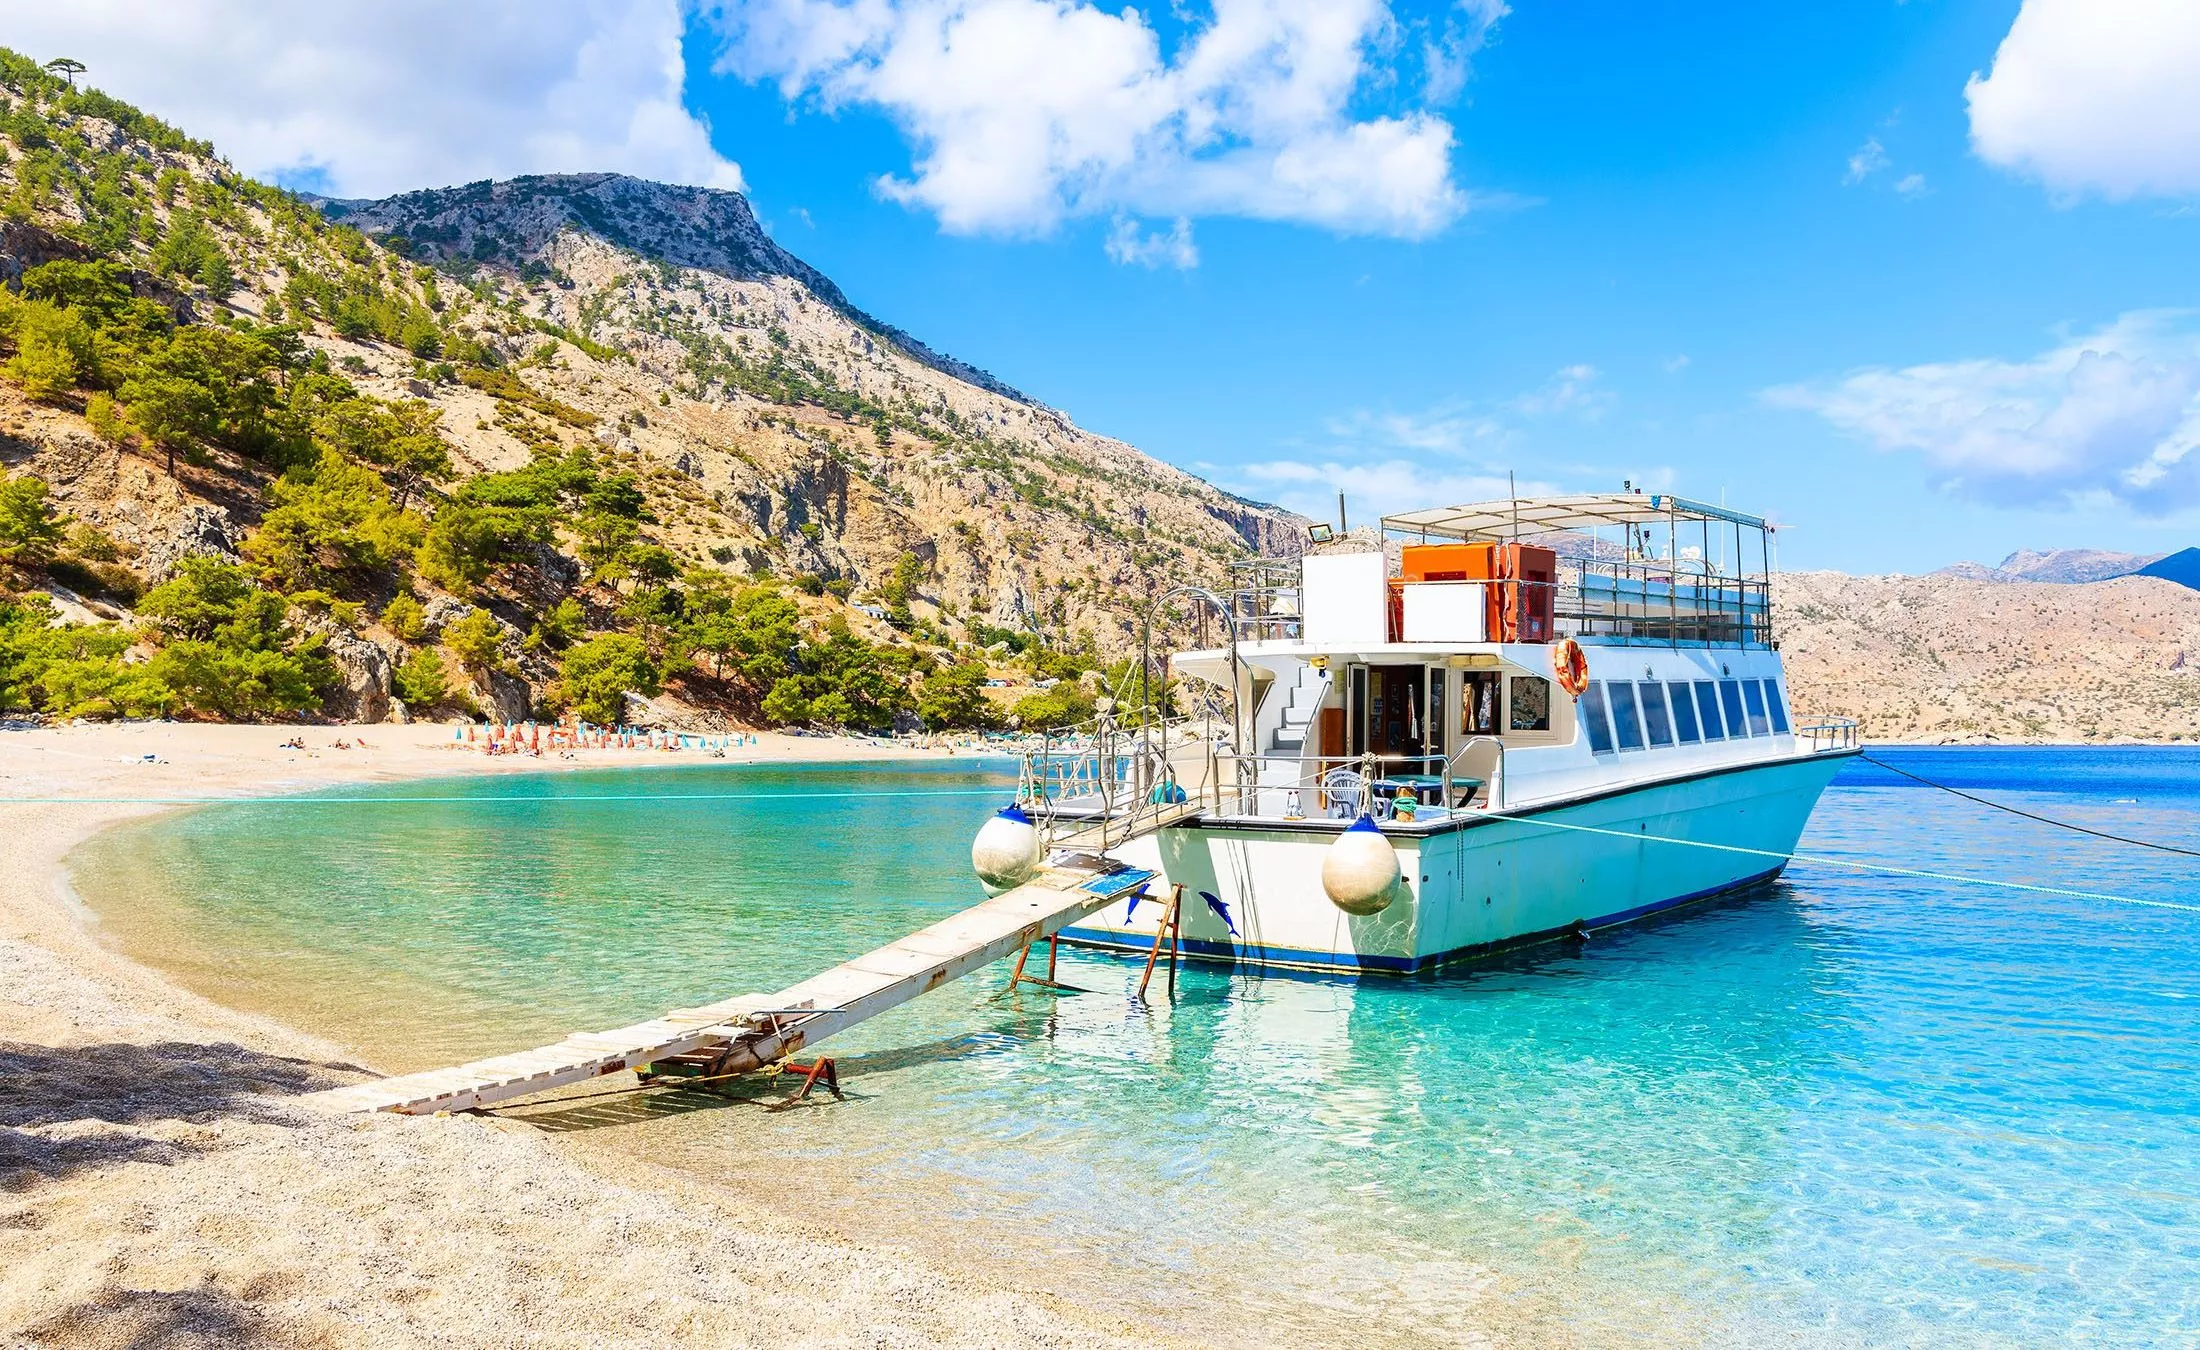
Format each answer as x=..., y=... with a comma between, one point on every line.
x=2028, y=815
x=462, y=800
x=1827, y=860
x=1855, y=864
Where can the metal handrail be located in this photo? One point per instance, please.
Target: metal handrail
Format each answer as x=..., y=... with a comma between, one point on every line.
x=1309, y=771
x=1496, y=784
x=1829, y=733
x=1654, y=601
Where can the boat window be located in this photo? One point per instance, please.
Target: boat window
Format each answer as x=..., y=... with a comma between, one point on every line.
x=1592, y=717
x=1531, y=704
x=1730, y=698
x=1626, y=717
x=1777, y=706
x=1684, y=713
x=1707, y=708
x=1656, y=724
x=1754, y=691
x=1478, y=696
x=1438, y=711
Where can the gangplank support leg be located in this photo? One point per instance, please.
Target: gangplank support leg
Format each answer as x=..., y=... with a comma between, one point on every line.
x=820, y=1070
x=1170, y=927
x=1047, y=981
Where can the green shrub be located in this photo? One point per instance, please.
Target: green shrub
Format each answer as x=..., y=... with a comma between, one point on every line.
x=228, y=647
x=598, y=674
x=29, y=526
x=69, y=670
x=333, y=518
x=421, y=681
x=405, y=617
x=1065, y=705
x=477, y=641
x=55, y=349
x=954, y=697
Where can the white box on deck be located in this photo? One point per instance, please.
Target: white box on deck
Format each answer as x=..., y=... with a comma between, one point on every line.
x=1445, y=611
x=1344, y=599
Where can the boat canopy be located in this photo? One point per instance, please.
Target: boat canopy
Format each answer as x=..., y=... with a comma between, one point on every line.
x=1518, y=517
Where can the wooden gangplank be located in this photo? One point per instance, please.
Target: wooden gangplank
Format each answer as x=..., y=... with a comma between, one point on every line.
x=755, y=1030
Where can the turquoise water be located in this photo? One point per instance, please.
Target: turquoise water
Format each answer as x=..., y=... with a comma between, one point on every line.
x=1851, y=1109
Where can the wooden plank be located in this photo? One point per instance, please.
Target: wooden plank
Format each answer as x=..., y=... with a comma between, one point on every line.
x=837, y=999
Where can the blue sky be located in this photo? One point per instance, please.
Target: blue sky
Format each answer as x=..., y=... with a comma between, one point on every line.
x=1675, y=221
x=1908, y=277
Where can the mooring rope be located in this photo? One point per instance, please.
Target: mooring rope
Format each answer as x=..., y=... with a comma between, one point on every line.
x=2029, y=815
x=1853, y=864
x=464, y=800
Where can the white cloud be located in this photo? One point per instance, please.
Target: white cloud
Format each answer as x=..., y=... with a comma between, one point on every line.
x=1026, y=112
x=2110, y=417
x=2095, y=95
x=1372, y=487
x=1448, y=50
x=1395, y=461
x=366, y=100
x=1911, y=185
x=1128, y=244
x=1870, y=158
x=1571, y=389
x=1452, y=429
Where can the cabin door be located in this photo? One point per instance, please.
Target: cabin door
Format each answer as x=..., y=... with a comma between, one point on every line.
x=1393, y=718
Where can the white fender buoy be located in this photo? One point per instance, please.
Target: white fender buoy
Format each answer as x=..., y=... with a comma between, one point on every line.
x=1360, y=872
x=1006, y=851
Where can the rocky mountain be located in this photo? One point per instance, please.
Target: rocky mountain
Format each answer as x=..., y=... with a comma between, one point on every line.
x=518, y=222
x=811, y=437
x=2182, y=567
x=2062, y=565
x=581, y=405
x=1947, y=658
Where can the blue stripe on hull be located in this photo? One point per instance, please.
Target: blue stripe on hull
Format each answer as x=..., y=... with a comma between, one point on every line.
x=1293, y=958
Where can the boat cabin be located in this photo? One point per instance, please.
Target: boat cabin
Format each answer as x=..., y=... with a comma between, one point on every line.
x=1436, y=654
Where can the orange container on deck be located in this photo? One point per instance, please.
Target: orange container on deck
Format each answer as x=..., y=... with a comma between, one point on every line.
x=1520, y=607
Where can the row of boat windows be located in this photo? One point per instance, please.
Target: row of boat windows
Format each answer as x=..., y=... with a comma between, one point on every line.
x=1639, y=714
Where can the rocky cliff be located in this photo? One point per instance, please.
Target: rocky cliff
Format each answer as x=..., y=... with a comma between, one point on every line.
x=782, y=428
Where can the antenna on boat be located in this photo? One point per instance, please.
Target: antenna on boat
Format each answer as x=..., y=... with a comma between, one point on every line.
x=1512, y=489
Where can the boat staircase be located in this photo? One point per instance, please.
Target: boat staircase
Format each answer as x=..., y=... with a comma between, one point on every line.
x=1282, y=766
x=755, y=1031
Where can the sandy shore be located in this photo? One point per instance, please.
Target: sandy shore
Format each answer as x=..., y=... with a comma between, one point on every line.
x=157, y=1189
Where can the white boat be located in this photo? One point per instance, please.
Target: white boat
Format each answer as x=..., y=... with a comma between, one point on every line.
x=1558, y=714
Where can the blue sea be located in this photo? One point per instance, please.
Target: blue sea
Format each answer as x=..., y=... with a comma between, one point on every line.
x=1853, y=1108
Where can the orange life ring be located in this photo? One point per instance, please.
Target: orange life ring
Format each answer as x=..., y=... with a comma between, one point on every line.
x=1571, y=666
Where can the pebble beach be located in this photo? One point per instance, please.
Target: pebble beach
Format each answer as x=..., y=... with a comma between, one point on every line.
x=157, y=1186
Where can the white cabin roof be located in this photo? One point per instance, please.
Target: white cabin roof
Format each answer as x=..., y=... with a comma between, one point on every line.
x=1509, y=517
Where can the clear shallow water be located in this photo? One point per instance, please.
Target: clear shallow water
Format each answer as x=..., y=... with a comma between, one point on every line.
x=1851, y=1109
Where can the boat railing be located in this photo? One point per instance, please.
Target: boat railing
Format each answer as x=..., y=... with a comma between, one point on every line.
x=1645, y=601
x=1310, y=787
x=1265, y=599
x=1098, y=785
x=1828, y=733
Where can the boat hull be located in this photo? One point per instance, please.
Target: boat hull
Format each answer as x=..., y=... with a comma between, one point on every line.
x=1477, y=885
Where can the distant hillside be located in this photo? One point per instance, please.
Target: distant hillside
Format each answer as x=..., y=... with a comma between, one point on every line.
x=1939, y=658
x=2067, y=566
x=2182, y=567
